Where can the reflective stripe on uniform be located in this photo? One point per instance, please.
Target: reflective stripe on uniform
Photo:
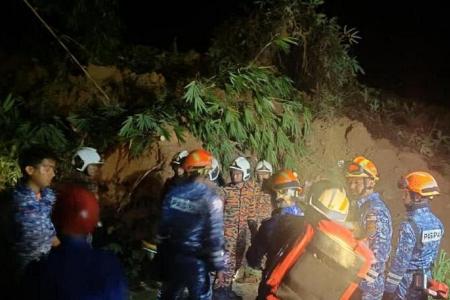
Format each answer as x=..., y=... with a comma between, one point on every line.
x=393, y=278
x=373, y=273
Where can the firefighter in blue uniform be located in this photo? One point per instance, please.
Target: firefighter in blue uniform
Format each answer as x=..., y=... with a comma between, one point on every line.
x=419, y=239
x=374, y=221
x=191, y=231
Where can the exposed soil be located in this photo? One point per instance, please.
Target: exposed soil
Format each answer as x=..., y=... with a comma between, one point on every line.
x=342, y=139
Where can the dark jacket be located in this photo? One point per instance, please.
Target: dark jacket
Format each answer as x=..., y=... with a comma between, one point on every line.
x=76, y=271
x=192, y=221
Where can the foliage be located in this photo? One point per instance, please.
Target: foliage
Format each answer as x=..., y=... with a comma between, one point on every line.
x=90, y=26
x=138, y=129
x=9, y=172
x=441, y=270
x=19, y=130
x=248, y=110
x=320, y=56
x=428, y=143
x=97, y=125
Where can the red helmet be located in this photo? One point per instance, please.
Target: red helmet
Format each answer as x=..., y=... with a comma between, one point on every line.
x=197, y=160
x=76, y=211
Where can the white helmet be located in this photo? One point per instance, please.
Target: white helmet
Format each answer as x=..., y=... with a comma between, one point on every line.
x=215, y=170
x=264, y=166
x=177, y=158
x=242, y=164
x=85, y=156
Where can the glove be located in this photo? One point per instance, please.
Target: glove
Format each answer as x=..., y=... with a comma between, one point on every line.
x=388, y=296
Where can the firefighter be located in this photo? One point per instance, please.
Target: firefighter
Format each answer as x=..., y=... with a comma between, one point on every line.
x=86, y=162
x=239, y=211
x=215, y=175
x=75, y=270
x=419, y=238
x=191, y=231
x=288, y=225
x=263, y=204
x=374, y=220
x=263, y=210
x=178, y=171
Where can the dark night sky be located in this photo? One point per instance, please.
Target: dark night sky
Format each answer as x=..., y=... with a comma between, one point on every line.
x=404, y=47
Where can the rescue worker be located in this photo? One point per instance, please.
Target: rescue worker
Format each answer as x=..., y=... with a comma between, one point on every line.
x=263, y=205
x=178, y=171
x=419, y=239
x=263, y=210
x=239, y=211
x=374, y=220
x=75, y=270
x=191, y=231
x=215, y=175
x=86, y=162
x=288, y=225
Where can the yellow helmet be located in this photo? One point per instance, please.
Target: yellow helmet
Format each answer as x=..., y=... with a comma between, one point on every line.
x=332, y=203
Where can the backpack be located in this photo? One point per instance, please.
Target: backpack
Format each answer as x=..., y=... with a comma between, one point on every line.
x=326, y=262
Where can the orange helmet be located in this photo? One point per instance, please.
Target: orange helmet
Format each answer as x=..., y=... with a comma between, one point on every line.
x=196, y=160
x=362, y=167
x=285, y=179
x=421, y=183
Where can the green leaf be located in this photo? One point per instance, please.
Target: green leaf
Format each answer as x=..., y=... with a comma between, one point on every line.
x=193, y=96
x=285, y=43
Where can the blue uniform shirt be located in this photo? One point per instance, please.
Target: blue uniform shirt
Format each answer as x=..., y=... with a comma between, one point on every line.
x=192, y=221
x=292, y=210
x=418, y=246
x=34, y=228
x=376, y=223
x=76, y=271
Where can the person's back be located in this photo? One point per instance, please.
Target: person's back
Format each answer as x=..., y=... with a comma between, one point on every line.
x=185, y=214
x=431, y=228
x=74, y=270
x=191, y=232
x=274, y=234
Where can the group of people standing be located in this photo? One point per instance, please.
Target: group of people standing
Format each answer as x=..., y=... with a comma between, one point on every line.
x=212, y=234
x=208, y=228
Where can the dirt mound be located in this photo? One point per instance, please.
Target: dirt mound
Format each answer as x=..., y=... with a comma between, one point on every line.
x=133, y=186
x=342, y=139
